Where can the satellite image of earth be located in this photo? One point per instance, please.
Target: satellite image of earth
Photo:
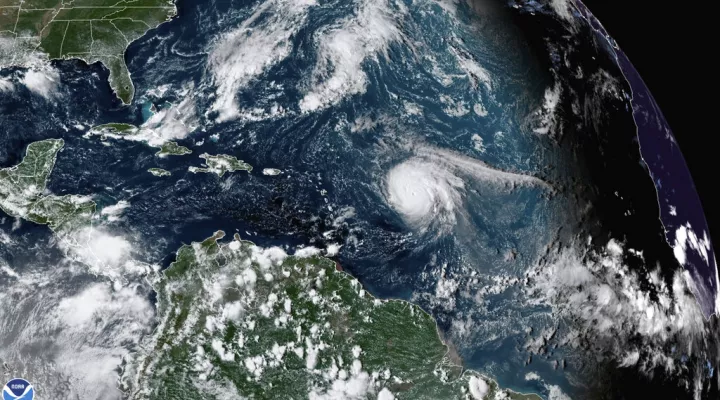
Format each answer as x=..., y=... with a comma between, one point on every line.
x=343, y=199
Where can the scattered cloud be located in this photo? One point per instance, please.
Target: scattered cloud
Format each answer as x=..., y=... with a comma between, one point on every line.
x=633, y=315
x=114, y=212
x=342, y=50
x=80, y=331
x=245, y=53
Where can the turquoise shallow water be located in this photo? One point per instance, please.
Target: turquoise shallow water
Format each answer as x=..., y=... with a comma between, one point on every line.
x=416, y=92
x=464, y=95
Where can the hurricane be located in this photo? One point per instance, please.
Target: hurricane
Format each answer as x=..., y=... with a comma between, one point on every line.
x=428, y=189
x=343, y=199
x=426, y=195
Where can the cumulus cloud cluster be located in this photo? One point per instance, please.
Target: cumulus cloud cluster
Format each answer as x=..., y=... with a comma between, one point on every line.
x=79, y=330
x=172, y=123
x=114, y=212
x=245, y=53
x=634, y=316
x=547, y=115
x=43, y=82
x=6, y=85
x=102, y=251
x=342, y=50
x=691, y=245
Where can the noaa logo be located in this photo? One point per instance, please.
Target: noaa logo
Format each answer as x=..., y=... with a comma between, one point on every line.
x=18, y=389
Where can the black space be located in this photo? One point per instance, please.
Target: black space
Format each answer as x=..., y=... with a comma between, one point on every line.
x=673, y=46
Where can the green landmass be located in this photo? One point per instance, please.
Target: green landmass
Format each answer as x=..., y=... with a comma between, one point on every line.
x=238, y=321
x=24, y=183
x=114, y=129
x=22, y=187
x=172, y=149
x=220, y=164
x=159, y=172
x=119, y=130
x=90, y=30
x=63, y=214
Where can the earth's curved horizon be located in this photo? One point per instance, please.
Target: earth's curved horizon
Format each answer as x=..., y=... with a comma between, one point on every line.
x=333, y=199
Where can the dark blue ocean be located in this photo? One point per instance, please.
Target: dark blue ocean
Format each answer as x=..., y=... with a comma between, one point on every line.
x=334, y=160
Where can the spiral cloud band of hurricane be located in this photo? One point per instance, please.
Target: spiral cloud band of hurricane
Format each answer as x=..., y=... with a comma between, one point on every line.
x=424, y=193
x=427, y=190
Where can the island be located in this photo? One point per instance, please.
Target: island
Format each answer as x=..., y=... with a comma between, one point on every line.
x=115, y=129
x=271, y=171
x=239, y=321
x=220, y=164
x=119, y=130
x=253, y=322
x=172, y=149
x=89, y=30
x=159, y=172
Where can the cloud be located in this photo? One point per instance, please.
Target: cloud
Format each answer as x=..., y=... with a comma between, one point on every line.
x=478, y=388
x=338, y=72
x=547, y=118
x=555, y=393
x=76, y=331
x=686, y=243
x=634, y=316
x=474, y=71
x=424, y=193
x=427, y=190
x=103, y=252
x=6, y=85
x=113, y=212
x=687, y=239
x=171, y=123
x=43, y=82
x=562, y=9
x=245, y=53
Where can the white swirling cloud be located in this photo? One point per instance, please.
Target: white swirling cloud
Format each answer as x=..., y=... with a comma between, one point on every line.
x=428, y=189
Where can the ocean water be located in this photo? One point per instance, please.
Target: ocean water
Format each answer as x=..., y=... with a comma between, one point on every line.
x=353, y=101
